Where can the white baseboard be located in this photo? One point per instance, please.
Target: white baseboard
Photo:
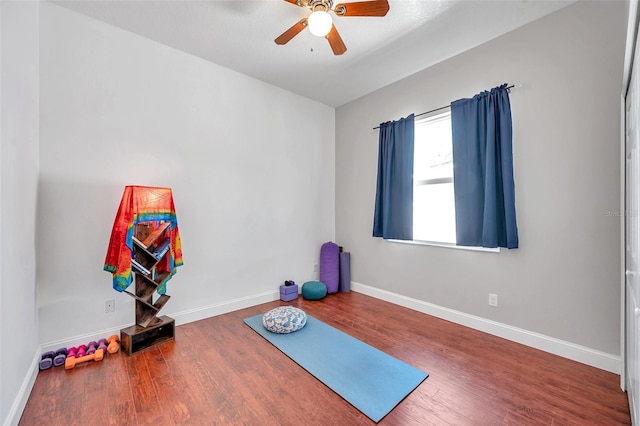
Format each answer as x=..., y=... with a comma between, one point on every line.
x=15, y=412
x=82, y=338
x=592, y=357
x=183, y=317
x=198, y=314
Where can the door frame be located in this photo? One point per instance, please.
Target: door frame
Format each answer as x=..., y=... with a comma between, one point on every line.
x=632, y=39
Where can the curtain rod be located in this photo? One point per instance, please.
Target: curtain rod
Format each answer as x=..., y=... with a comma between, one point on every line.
x=445, y=107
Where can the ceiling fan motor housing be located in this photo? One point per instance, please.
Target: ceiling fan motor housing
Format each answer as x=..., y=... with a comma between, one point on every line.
x=324, y=5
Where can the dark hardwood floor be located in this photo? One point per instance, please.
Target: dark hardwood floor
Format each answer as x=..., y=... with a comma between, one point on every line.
x=220, y=372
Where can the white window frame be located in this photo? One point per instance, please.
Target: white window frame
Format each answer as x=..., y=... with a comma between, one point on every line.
x=436, y=181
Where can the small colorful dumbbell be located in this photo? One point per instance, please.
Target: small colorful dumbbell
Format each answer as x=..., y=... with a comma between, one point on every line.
x=53, y=358
x=114, y=344
x=72, y=361
x=60, y=357
x=46, y=360
x=102, y=344
x=82, y=351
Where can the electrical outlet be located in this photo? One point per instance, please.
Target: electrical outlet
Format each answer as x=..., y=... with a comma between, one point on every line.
x=109, y=306
x=493, y=300
x=315, y=267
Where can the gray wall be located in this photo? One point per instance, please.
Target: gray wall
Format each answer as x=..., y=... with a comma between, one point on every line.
x=253, y=186
x=563, y=281
x=18, y=181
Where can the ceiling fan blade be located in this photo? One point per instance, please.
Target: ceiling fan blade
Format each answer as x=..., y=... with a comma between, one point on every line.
x=363, y=8
x=292, y=32
x=335, y=41
x=293, y=2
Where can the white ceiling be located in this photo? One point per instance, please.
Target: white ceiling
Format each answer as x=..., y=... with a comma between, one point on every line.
x=239, y=34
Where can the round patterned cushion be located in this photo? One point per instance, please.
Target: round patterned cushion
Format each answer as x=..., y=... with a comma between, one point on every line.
x=284, y=319
x=314, y=290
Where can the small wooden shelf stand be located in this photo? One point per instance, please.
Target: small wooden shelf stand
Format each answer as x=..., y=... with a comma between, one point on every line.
x=135, y=338
x=149, y=248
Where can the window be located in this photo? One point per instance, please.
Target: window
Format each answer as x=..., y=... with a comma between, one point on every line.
x=434, y=217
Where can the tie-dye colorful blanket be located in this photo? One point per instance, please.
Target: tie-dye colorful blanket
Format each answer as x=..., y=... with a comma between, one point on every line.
x=142, y=204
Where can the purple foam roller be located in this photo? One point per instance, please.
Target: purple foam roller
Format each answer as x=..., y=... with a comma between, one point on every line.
x=329, y=266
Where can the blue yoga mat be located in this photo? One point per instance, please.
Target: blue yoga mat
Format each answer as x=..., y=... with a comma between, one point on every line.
x=369, y=379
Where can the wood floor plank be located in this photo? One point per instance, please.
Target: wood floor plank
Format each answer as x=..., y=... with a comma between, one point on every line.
x=219, y=371
x=145, y=399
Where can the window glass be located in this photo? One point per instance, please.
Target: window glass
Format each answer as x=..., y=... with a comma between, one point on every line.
x=433, y=200
x=433, y=156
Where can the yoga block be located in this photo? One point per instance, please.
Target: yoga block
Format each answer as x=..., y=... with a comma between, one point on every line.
x=288, y=292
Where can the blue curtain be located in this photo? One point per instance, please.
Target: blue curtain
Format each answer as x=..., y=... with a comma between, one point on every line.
x=393, y=218
x=483, y=170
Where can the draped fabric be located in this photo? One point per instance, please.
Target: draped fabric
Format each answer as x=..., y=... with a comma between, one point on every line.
x=393, y=217
x=142, y=204
x=483, y=170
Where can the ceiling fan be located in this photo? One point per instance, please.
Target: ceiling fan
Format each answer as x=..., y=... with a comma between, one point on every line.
x=321, y=24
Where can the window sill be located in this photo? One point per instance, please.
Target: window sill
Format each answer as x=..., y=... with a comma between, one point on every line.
x=446, y=245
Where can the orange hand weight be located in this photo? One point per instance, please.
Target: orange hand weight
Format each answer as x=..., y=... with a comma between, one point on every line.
x=114, y=345
x=71, y=362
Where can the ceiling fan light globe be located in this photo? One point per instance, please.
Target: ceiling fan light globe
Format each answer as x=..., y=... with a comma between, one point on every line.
x=320, y=23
